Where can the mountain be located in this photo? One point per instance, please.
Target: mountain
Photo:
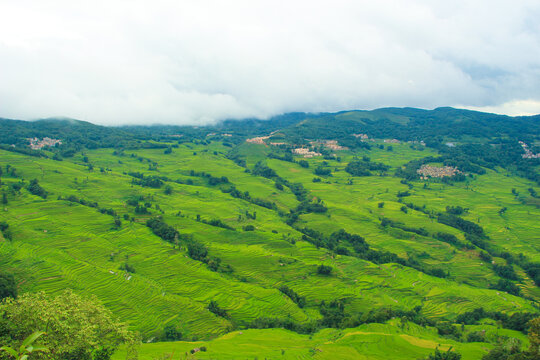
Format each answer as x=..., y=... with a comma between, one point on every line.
x=76, y=133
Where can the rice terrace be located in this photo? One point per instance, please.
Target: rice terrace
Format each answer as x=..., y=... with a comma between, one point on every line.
x=242, y=249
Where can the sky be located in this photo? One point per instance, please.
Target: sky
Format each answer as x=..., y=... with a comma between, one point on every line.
x=199, y=62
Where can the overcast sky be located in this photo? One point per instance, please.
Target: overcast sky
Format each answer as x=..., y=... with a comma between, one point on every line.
x=193, y=62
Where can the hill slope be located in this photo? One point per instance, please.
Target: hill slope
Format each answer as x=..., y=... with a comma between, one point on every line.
x=165, y=223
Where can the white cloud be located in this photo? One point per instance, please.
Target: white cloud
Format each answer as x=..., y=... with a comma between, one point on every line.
x=117, y=62
x=512, y=108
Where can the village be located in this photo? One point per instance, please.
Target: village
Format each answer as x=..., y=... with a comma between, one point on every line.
x=428, y=171
x=329, y=144
x=528, y=153
x=305, y=152
x=37, y=144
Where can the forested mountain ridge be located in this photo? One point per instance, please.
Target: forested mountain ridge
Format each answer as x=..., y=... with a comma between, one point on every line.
x=486, y=139
x=402, y=123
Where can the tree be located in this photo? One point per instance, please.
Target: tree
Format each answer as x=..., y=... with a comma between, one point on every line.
x=534, y=338
x=324, y=270
x=508, y=286
x=448, y=355
x=321, y=171
x=299, y=300
x=75, y=327
x=197, y=251
x=4, y=229
x=213, y=307
x=511, y=349
x=8, y=287
x=4, y=198
x=171, y=333
x=36, y=189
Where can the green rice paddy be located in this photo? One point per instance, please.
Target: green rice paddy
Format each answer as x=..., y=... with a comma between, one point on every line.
x=59, y=244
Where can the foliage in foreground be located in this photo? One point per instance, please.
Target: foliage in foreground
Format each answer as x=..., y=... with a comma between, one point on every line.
x=511, y=349
x=27, y=347
x=75, y=327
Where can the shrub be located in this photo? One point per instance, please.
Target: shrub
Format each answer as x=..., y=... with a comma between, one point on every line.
x=171, y=333
x=401, y=194
x=8, y=286
x=508, y=286
x=321, y=171
x=127, y=267
x=36, y=189
x=299, y=300
x=505, y=271
x=197, y=251
x=324, y=270
x=448, y=355
x=214, y=308
x=161, y=229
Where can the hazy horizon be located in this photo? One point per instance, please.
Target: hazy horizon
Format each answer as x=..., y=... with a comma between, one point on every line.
x=61, y=117
x=196, y=63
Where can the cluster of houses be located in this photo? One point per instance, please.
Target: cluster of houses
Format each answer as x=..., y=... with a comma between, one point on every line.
x=365, y=137
x=330, y=144
x=214, y=134
x=37, y=144
x=428, y=171
x=305, y=152
x=258, y=140
x=528, y=153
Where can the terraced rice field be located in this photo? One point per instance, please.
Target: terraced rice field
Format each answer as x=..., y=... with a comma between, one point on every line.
x=60, y=244
x=370, y=342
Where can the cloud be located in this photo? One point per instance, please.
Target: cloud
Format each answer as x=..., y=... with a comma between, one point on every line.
x=195, y=62
x=512, y=108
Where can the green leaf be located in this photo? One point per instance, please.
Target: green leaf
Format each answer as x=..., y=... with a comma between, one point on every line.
x=10, y=351
x=31, y=338
x=24, y=357
x=40, y=348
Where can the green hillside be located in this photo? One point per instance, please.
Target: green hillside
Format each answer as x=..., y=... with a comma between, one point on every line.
x=346, y=254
